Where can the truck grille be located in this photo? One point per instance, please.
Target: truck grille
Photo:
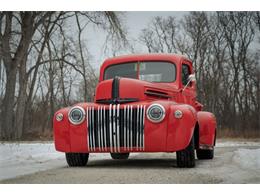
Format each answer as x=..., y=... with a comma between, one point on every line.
x=116, y=129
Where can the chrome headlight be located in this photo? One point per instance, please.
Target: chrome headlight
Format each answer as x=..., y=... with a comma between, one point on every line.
x=155, y=113
x=76, y=115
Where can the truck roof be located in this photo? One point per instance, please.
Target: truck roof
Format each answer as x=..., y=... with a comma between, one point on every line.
x=145, y=57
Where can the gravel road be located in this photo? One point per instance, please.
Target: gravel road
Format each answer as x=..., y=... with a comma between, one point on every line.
x=232, y=164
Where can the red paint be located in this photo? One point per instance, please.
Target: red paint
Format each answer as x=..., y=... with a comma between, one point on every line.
x=170, y=135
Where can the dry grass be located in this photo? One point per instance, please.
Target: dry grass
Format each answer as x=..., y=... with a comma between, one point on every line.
x=229, y=133
x=47, y=135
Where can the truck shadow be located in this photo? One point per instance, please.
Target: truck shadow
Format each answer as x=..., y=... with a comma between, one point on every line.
x=133, y=163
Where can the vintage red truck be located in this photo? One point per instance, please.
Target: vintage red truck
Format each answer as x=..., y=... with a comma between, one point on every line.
x=143, y=103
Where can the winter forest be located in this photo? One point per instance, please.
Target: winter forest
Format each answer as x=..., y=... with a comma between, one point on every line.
x=46, y=63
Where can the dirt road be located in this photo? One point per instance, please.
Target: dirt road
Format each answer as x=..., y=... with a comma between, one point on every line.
x=232, y=164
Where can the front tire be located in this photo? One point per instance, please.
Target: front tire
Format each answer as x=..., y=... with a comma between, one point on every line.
x=205, y=154
x=119, y=156
x=77, y=159
x=186, y=157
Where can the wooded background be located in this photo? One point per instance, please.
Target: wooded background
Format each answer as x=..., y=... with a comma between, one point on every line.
x=45, y=64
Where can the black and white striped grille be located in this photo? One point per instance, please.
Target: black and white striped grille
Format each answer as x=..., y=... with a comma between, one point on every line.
x=115, y=129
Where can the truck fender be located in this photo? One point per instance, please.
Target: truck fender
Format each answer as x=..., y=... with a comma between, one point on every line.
x=180, y=130
x=207, y=129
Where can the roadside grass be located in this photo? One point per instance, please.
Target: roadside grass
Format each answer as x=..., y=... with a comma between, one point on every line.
x=234, y=134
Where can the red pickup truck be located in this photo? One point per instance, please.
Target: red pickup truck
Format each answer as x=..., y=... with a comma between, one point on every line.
x=143, y=103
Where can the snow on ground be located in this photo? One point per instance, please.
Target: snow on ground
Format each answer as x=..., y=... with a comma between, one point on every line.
x=18, y=159
x=248, y=158
x=24, y=158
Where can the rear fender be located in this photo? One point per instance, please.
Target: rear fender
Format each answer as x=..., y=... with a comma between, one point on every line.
x=207, y=129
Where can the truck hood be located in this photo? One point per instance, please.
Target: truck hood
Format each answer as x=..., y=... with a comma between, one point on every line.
x=126, y=90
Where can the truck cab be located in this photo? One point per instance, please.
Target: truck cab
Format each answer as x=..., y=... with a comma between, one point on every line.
x=143, y=103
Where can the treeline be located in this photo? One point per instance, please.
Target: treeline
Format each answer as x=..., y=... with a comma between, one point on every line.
x=224, y=47
x=45, y=63
x=44, y=58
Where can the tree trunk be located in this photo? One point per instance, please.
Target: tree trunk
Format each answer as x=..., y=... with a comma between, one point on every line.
x=21, y=101
x=10, y=70
x=7, y=114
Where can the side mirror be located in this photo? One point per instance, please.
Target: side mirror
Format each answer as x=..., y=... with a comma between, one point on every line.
x=191, y=78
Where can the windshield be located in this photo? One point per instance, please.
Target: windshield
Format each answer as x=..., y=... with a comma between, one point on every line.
x=164, y=72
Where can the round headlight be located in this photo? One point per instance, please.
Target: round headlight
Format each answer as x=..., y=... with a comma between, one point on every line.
x=155, y=113
x=76, y=115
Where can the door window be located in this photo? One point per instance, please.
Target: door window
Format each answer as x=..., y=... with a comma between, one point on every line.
x=185, y=74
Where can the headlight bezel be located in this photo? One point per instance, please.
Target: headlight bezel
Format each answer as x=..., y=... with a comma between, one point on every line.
x=152, y=119
x=83, y=114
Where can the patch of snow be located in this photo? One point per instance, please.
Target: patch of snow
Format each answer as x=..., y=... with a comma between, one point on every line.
x=25, y=158
x=247, y=158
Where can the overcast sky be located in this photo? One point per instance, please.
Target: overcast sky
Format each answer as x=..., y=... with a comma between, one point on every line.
x=134, y=21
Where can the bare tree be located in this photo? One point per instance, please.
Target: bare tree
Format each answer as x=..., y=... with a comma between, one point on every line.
x=30, y=45
x=222, y=48
x=14, y=57
x=161, y=35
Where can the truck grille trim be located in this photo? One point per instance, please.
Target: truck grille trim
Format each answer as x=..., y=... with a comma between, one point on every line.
x=115, y=129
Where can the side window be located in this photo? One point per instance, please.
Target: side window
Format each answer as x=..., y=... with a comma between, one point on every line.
x=185, y=74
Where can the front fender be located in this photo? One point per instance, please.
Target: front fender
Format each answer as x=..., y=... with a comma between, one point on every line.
x=61, y=131
x=68, y=137
x=180, y=131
